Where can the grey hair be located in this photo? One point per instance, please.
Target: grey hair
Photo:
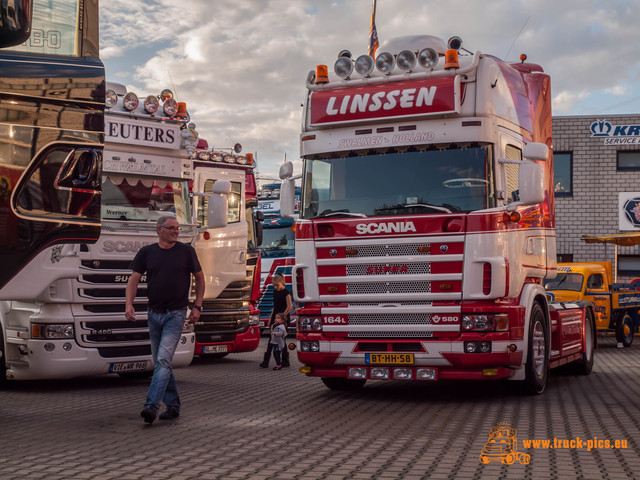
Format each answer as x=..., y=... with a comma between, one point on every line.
x=162, y=220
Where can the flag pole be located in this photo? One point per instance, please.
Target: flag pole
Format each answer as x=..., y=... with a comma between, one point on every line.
x=373, y=33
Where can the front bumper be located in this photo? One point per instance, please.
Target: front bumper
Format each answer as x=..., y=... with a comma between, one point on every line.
x=40, y=363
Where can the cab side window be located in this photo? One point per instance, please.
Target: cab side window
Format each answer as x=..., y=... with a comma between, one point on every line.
x=595, y=282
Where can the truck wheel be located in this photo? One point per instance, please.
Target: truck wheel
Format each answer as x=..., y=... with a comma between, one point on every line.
x=343, y=383
x=585, y=364
x=537, y=367
x=624, y=331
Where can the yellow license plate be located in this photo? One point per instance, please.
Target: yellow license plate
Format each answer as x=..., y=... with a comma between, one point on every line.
x=389, y=358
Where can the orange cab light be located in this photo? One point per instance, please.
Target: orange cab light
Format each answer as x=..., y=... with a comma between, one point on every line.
x=322, y=74
x=451, y=59
x=249, y=158
x=523, y=57
x=182, y=109
x=515, y=216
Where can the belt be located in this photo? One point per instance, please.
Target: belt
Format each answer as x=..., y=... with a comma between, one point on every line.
x=164, y=310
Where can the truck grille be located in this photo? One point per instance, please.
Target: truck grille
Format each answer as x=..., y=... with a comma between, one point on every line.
x=398, y=284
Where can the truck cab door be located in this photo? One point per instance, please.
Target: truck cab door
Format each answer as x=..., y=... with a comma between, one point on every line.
x=223, y=253
x=54, y=199
x=596, y=291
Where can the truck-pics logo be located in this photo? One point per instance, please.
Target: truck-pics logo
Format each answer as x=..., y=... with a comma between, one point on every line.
x=389, y=227
x=502, y=446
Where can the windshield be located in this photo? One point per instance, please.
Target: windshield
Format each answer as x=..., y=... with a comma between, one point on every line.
x=143, y=199
x=278, y=241
x=430, y=181
x=565, y=281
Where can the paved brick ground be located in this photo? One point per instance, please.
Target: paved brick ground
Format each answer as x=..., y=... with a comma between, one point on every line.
x=243, y=422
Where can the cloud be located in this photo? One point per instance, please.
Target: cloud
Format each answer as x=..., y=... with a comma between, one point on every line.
x=241, y=64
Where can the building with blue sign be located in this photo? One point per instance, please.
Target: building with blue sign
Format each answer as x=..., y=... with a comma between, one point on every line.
x=597, y=187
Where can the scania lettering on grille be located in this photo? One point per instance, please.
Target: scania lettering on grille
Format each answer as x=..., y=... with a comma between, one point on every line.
x=378, y=269
x=335, y=319
x=387, y=227
x=444, y=318
x=122, y=246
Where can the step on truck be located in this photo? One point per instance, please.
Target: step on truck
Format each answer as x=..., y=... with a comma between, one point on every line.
x=427, y=221
x=615, y=305
x=228, y=253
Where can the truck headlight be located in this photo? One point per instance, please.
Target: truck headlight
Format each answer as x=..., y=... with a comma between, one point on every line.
x=188, y=327
x=254, y=320
x=310, y=346
x=52, y=330
x=485, y=322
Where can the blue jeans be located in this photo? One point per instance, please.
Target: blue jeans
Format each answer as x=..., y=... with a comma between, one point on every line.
x=165, y=330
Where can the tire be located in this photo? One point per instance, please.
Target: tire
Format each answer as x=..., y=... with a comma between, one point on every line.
x=624, y=331
x=343, y=383
x=136, y=375
x=585, y=364
x=537, y=367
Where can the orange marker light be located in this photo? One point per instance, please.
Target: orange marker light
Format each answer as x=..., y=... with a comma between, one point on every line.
x=451, y=59
x=182, y=109
x=322, y=74
x=515, y=216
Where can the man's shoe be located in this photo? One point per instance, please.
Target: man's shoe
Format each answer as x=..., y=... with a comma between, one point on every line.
x=149, y=414
x=169, y=414
x=278, y=367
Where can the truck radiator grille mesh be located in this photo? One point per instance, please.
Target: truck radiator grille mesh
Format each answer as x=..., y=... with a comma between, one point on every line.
x=389, y=287
x=390, y=335
x=381, y=319
x=389, y=269
x=357, y=251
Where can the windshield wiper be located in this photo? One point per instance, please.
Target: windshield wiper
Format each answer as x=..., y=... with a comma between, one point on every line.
x=427, y=205
x=335, y=213
x=417, y=205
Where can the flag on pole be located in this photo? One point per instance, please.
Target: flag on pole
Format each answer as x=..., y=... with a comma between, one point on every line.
x=373, y=33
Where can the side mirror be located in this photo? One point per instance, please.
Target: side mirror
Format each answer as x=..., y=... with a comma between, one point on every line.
x=218, y=205
x=531, y=175
x=531, y=182
x=286, y=171
x=287, y=198
x=16, y=22
x=259, y=218
x=536, y=151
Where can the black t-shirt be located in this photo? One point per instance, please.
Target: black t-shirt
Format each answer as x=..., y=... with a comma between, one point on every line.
x=279, y=303
x=168, y=273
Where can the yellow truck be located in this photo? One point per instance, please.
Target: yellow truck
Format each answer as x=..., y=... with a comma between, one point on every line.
x=616, y=305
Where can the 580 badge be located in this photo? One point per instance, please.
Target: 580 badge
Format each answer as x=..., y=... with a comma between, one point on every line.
x=335, y=320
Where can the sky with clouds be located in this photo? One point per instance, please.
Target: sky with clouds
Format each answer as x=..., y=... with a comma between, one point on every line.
x=240, y=65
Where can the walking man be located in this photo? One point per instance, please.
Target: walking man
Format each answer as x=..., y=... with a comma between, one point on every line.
x=168, y=265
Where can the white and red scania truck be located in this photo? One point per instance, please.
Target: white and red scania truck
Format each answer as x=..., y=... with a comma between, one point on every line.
x=229, y=253
x=427, y=221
